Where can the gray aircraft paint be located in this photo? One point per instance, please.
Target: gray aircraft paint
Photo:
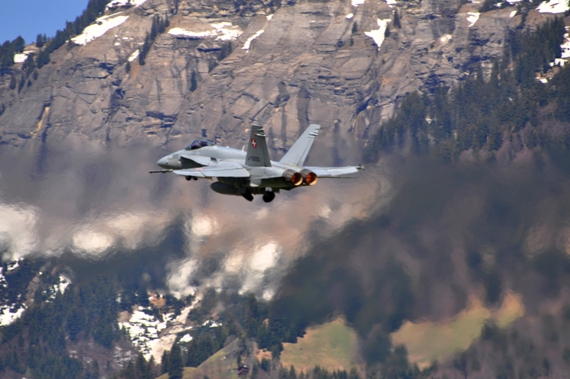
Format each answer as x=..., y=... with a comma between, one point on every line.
x=252, y=172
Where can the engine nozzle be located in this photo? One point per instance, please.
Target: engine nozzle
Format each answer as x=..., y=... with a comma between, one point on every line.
x=293, y=177
x=309, y=177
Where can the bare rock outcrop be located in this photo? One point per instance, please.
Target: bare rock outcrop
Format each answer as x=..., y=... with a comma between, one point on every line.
x=220, y=65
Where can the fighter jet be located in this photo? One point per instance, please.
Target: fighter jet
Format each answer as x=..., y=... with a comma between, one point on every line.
x=251, y=173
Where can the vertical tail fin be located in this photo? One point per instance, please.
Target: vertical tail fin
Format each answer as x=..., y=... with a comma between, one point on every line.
x=298, y=152
x=257, y=152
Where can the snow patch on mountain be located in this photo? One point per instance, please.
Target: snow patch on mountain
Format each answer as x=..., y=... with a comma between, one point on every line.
x=152, y=336
x=224, y=31
x=472, y=18
x=3, y=283
x=247, y=43
x=61, y=286
x=101, y=26
x=379, y=34
x=183, y=33
x=122, y=3
x=13, y=265
x=10, y=313
x=553, y=6
x=566, y=45
x=134, y=55
x=21, y=57
x=143, y=329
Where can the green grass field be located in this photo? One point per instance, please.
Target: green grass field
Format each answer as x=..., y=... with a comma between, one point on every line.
x=216, y=367
x=331, y=346
x=429, y=341
x=334, y=346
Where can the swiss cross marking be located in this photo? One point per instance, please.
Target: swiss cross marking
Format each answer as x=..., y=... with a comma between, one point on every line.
x=253, y=143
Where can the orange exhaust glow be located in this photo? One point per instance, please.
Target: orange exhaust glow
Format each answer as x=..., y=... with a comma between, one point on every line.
x=311, y=178
x=296, y=179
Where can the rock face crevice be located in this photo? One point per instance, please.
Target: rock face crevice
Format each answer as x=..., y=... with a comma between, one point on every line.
x=222, y=65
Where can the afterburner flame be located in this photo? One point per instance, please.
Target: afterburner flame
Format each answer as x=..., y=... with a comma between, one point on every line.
x=293, y=177
x=309, y=177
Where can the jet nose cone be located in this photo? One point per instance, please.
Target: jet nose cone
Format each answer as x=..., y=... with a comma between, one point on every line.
x=163, y=162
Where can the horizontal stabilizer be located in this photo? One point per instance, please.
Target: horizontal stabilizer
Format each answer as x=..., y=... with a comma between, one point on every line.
x=334, y=172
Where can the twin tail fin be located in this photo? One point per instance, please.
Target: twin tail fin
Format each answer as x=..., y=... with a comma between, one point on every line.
x=257, y=152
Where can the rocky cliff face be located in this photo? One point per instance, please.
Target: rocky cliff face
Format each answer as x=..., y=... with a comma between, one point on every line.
x=221, y=64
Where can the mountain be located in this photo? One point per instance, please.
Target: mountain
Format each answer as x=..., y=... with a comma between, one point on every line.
x=218, y=66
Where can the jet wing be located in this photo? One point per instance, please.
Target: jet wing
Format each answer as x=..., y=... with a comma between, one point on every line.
x=334, y=172
x=217, y=170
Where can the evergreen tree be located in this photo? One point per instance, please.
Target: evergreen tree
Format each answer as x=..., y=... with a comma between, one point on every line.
x=19, y=44
x=41, y=39
x=396, y=21
x=13, y=82
x=7, y=51
x=176, y=368
x=165, y=363
x=22, y=82
x=193, y=82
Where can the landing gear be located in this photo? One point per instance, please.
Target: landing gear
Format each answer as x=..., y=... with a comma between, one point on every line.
x=247, y=195
x=268, y=196
x=191, y=177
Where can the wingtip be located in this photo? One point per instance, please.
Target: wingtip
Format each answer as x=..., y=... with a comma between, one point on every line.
x=360, y=167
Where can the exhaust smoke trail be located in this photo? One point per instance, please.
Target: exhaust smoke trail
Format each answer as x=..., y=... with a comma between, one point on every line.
x=94, y=202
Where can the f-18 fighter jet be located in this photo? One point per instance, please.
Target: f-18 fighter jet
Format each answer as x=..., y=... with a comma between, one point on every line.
x=251, y=173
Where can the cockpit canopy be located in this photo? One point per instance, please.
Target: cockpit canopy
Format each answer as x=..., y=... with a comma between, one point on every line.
x=199, y=143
